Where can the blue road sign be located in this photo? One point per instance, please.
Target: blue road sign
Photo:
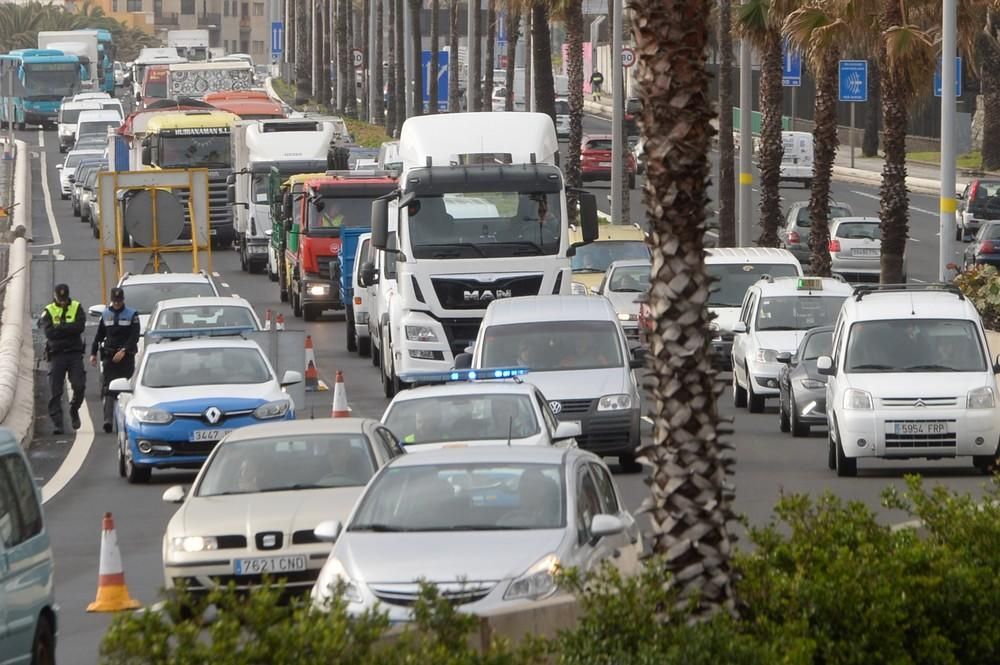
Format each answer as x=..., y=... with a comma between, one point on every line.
x=277, y=37
x=501, y=26
x=958, y=77
x=853, y=81
x=791, y=66
x=442, y=100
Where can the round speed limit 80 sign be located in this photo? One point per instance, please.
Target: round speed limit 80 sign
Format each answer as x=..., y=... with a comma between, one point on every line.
x=628, y=57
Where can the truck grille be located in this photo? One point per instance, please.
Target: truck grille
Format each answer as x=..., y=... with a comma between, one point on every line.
x=219, y=212
x=460, y=333
x=470, y=293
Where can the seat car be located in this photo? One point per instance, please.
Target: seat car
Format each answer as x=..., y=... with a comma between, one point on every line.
x=475, y=413
x=252, y=509
x=910, y=376
x=802, y=389
x=595, y=159
x=144, y=291
x=28, y=610
x=985, y=249
x=487, y=526
x=189, y=315
x=797, y=158
x=623, y=284
x=776, y=314
x=67, y=170
x=979, y=202
x=186, y=395
x=615, y=242
x=797, y=231
x=88, y=192
x=856, y=248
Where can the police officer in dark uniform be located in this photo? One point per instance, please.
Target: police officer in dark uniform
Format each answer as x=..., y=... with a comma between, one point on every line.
x=117, y=342
x=63, y=322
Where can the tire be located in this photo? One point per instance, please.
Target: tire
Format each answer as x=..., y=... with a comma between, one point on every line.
x=831, y=453
x=387, y=383
x=959, y=236
x=847, y=467
x=64, y=197
x=271, y=275
x=631, y=181
x=376, y=352
x=135, y=474
x=364, y=346
x=121, y=460
x=244, y=264
x=351, y=334
x=799, y=429
x=20, y=126
x=629, y=464
x=783, y=423
x=755, y=403
x=283, y=295
x=296, y=305
x=310, y=312
x=986, y=464
x=43, y=647
x=739, y=394
x=76, y=210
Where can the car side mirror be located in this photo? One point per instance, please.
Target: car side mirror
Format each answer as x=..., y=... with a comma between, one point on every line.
x=606, y=525
x=96, y=311
x=121, y=385
x=290, y=378
x=463, y=361
x=638, y=359
x=567, y=429
x=739, y=328
x=327, y=532
x=380, y=223
x=996, y=365
x=174, y=494
x=824, y=365
x=231, y=194
x=785, y=358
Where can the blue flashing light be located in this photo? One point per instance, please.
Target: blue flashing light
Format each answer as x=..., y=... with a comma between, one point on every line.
x=457, y=375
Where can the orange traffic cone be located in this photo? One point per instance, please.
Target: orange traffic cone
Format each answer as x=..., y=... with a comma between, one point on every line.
x=112, y=594
x=267, y=320
x=340, y=408
x=279, y=323
x=313, y=382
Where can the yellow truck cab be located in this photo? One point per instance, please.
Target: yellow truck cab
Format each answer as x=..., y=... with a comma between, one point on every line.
x=195, y=139
x=615, y=242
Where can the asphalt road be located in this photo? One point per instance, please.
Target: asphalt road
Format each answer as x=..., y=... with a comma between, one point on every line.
x=768, y=463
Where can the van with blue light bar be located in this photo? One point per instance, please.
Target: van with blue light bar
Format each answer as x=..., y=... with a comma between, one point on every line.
x=461, y=375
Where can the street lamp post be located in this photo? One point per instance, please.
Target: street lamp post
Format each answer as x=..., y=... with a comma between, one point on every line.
x=948, y=89
x=746, y=149
x=617, y=106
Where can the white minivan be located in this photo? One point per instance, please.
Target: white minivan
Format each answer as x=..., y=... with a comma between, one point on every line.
x=69, y=114
x=797, y=160
x=97, y=123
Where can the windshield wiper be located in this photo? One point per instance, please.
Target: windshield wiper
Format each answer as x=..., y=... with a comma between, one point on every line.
x=933, y=368
x=474, y=527
x=870, y=366
x=378, y=527
x=290, y=488
x=533, y=245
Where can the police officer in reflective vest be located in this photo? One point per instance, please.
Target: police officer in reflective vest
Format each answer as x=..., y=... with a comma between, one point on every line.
x=117, y=342
x=63, y=322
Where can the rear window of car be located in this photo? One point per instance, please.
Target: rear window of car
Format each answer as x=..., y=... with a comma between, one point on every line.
x=562, y=107
x=859, y=230
x=598, y=144
x=633, y=106
x=802, y=218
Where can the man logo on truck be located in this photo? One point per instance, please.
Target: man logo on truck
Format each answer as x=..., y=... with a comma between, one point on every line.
x=486, y=294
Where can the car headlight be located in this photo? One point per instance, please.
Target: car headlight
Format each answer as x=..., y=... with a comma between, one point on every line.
x=150, y=415
x=614, y=403
x=318, y=289
x=981, y=398
x=812, y=384
x=274, y=409
x=537, y=582
x=420, y=334
x=333, y=574
x=766, y=356
x=857, y=399
x=578, y=289
x=191, y=544
x=628, y=317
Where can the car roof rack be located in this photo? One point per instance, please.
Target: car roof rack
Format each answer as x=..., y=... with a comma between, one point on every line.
x=869, y=289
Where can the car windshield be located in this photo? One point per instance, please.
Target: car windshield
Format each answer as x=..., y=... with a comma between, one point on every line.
x=73, y=159
x=549, y=346
x=915, y=345
x=51, y=79
x=70, y=116
x=144, y=297
x=113, y=106
x=802, y=217
x=817, y=344
x=731, y=280
x=339, y=211
x=629, y=279
x=597, y=256
x=485, y=224
x=797, y=312
x=989, y=232
x=280, y=463
x=562, y=107
x=261, y=185
x=209, y=316
x=985, y=197
x=192, y=150
x=462, y=418
x=155, y=89
x=204, y=367
x=859, y=231
x=463, y=497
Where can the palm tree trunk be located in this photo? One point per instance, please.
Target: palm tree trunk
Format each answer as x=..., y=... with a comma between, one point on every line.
x=626, y=153
x=454, y=103
x=417, y=77
x=727, y=152
x=378, y=110
x=689, y=503
x=574, y=70
x=545, y=92
x=290, y=42
x=475, y=58
x=989, y=59
x=434, y=70
x=513, y=33
x=344, y=79
x=825, y=141
x=318, y=14
x=491, y=38
x=351, y=106
x=894, y=209
x=323, y=83
x=366, y=71
x=870, y=140
x=303, y=86
x=392, y=121
x=400, y=66
x=771, y=147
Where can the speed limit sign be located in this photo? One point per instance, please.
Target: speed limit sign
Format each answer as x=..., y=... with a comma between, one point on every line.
x=358, y=57
x=628, y=57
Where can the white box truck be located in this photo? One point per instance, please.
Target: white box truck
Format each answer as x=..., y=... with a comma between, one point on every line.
x=81, y=43
x=190, y=44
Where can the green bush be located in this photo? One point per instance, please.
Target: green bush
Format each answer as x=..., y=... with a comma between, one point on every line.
x=981, y=285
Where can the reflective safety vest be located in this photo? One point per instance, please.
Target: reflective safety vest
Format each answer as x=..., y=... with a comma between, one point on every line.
x=56, y=312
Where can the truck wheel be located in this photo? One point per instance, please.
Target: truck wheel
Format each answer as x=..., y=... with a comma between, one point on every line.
x=351, y=335
x=244, y=264
x=43, y=648
x=310, y=312
x=296, y=304
x=364, y=346
x=20, y=126
x=376, y=351
x=283, y=295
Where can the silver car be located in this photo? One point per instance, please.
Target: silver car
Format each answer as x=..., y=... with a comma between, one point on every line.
x=856, y=248
x=623, y=283
x=488, y=526
x=795, y=236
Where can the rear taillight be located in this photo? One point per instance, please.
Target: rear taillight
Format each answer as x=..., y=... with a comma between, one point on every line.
x=986, y=247
x=834, y=245
x=794, y=238
x=975, y=188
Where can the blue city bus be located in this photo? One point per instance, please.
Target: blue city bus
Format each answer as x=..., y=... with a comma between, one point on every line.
x=43, y=77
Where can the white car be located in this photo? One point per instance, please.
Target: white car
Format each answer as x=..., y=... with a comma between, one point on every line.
x=776, y=314
x=562, y=117
x=623, y=284
x=253, y=506
x=143, y=292
x=910, y=376
x=856, y=248
x=211, y=315
x=68, y=168
x=476, y=413
x=69, y=113
x=187, y=395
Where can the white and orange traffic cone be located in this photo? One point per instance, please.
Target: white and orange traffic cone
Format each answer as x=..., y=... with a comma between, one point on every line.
x=279, y=323
x=267, y=320
x=340, y=408
x=112, y=594
x=313, y=382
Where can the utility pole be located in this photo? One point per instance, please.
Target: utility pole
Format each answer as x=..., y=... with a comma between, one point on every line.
x=949, y=84
x=617, y=107
x=746, y=143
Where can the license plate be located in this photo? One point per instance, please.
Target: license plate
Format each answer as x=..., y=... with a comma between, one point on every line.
x=918, y=428
x=208, y=434
x=605, y=164
x=865, y=251
x=274, y=565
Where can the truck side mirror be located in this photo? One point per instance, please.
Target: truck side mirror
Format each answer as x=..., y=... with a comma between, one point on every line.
x=231, y=179
x=231, y=193
x=380, y=223
x=286, y=206
x=146, y=154
x=368, y=276
x=588, y=216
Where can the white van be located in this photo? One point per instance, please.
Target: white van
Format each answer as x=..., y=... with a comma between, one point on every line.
x=797, y=161
x=578, y=356
x=69, y=113
x=97, y=122
x=358, y=307
x=736, y=269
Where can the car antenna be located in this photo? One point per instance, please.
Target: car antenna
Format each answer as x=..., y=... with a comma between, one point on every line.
x=510, y=429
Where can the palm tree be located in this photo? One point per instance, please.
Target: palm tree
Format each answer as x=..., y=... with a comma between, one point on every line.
x=690, y=498
x=819, y=34
x=323, y=83
x=491, y=38
x=316, y=37
x=378, y=112
x=291, y=41
x=454, y=103
x=541, y=47
x=400, y=66
x=303, y=86
x=393, y=121
x=513, y=34
x=573, y=16
x=988, y=51
x=433, y=70
x=366, y=72
x=727, y=151
x=762, y=26
x=417, y=76
x=870, y=139
x=475, y=59
x=351, y=77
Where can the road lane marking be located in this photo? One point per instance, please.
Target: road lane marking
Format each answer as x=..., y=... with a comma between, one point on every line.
x=215, y=274
x=918, y=281
x=49, y=212
x=41, y=138
x=879, y=198
x=223, y=285
x=55, y=252
x=73, y=462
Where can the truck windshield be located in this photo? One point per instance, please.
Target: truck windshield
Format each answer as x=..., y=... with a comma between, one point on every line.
x=155, y=88
x=485, y=224
x=54, y=80
x=334, y=213
x=70, y=116
x=190, y=151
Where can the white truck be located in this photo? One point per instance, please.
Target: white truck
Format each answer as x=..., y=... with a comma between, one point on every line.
x=190, y=44
x=151, y=56
x=197, y=79
x=454, y=256
x=281, y=147
x=81, y=43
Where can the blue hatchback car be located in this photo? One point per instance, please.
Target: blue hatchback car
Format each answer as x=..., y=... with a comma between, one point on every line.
x=27, y=592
